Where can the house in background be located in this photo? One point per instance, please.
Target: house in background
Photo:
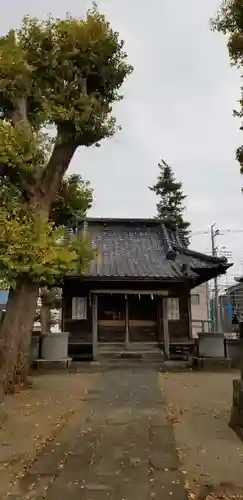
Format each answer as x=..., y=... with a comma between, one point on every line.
x=231, y=308
x=137, y=291
x=200, y=309
x=234, y=294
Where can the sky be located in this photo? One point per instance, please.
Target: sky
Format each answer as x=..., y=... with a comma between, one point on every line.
x=177, y=106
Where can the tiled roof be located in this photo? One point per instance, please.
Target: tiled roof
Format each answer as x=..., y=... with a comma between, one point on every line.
x=143, y=248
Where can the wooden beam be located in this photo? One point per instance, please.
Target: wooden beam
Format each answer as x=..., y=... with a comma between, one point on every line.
x=95, y=326
x=166, y=328
x=163, y=293
x=136, y=323
x=112, y=323
x=116, y=323
x=127, y=323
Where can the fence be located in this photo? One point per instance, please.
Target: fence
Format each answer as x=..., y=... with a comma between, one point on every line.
x=200, y=326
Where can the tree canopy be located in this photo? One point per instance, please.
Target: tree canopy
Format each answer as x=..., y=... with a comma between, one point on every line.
x=74, y=198
x=229, y=21
x=170, y=205
x=66, y=74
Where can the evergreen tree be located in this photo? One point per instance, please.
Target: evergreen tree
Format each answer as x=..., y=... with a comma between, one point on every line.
x=170, y=207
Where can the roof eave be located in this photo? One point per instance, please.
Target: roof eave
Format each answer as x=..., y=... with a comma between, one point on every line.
x=212, y=272
x=199, y=255
x=146, y=279
x=120, y=220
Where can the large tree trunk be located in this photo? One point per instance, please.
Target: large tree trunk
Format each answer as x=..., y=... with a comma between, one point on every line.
x=15, y=331
x=15, y=334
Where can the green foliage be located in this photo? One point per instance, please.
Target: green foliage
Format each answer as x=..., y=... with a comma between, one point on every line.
x=30, y=246
x=70, y=70
x=15, y=74
x=33, y=248
x=22, y=153
x=170, y=206
x=229, y=21
x=74, y=199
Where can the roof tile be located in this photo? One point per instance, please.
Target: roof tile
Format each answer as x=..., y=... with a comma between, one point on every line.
x=138, y=249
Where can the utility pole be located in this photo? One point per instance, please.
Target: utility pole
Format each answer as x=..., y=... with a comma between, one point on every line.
x=217, y=322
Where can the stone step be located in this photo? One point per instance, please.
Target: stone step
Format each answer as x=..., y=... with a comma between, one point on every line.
x=130, y=355
x=132, y=347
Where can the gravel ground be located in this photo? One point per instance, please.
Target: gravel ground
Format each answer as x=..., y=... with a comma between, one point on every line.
x=211, y=454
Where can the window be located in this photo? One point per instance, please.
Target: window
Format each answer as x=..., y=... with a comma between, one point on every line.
x=195, y=299
x=79, y=308
x=173, y=309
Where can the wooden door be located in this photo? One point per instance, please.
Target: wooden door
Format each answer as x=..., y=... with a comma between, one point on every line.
x=111, y=318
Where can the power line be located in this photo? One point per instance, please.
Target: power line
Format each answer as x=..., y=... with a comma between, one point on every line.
x=197, y=233
x=222, y=231
x=232, y=230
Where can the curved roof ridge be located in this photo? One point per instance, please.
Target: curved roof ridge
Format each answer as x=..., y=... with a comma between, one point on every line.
x=194, y=253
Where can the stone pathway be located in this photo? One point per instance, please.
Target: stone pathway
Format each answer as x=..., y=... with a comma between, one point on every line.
x=121, y=447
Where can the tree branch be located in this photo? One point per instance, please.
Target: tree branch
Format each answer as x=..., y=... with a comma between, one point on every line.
x=19, y=113
x=58, y=164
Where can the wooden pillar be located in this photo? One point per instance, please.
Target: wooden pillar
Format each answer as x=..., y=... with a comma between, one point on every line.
x=95, y=326
x=166, y=328
x=189, y=316
x=63, y=313
x=127, y=323
x=160, y=320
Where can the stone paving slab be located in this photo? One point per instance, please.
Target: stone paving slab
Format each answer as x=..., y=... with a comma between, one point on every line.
x=121, y=447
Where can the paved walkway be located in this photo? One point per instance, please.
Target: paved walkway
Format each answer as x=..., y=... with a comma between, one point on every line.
x=121, y=447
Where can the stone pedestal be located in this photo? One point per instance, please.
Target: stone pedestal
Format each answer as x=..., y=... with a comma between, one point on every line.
x=236, y=419
x=211, y=353
x=211, y=345
x=54, y=346
x=234, y=349
x=47, y=364
x=211, y=364
x=54, y=350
